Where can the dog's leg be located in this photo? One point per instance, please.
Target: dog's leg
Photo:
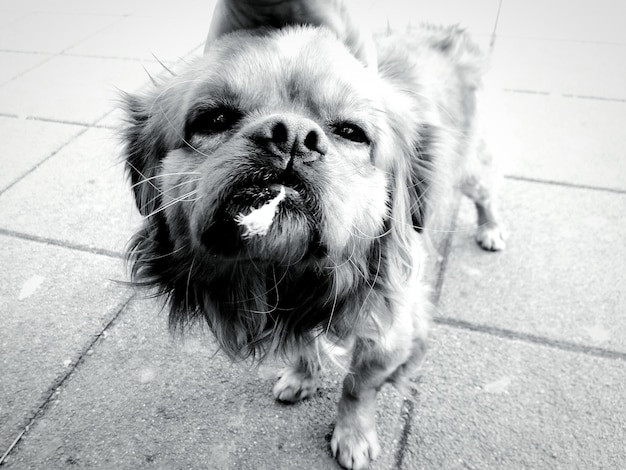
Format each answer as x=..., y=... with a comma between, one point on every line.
x=355, y=441
x=489, y=235
x=298, y=381
x=478, y=183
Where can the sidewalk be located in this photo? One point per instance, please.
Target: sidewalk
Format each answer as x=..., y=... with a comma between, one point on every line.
x=527, y=367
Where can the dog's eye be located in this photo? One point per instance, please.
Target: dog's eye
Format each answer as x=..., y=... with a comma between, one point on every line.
x=351, y=132
x=213, y=121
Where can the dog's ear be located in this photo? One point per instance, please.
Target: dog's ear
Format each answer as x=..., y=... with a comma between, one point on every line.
x=421, y=175
x=408, y=152
x=144, y=149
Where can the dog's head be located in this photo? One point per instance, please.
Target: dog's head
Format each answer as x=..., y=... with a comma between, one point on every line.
x=277, y=175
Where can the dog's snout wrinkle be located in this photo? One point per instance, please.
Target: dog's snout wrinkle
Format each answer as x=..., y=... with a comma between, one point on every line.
x=293, y=139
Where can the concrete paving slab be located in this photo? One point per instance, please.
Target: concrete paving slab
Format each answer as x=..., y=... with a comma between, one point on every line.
x=568, y=140
x=582, y=20
x=144, y=400
x=78, y=7
x=54, y=302
x=50, y=32
x=139, y=37
x=25, y=143
x=486, y=402
x=561, y=67
x=23, y=7
x=73, y=89
x=180, y=9
x=16, y=63
x=79, y=196
x=562, y=275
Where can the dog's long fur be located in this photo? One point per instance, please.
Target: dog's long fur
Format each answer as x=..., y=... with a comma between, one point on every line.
x=344, y=257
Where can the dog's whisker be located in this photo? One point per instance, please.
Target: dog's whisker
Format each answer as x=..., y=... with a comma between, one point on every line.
x=244, y=300
x=158, y=195
x=153, y=80
x=144, y=177
x=153, y=258
x=146, y=180
x=191, y=196
x=165, y=194
x=371, y=286
x=263, y=298
x=361, y=235
x=427, y=229
x=173, y=202
x=165, y=67
x=361, y=273
x=187, y=288
x=336, y=265
x=332, y=309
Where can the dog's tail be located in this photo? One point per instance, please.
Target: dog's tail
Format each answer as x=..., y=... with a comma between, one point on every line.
x=454, y=42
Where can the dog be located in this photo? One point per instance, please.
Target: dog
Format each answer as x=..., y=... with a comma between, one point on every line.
x=287, y=191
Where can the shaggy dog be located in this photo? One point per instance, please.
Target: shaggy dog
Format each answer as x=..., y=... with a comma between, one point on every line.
x=287, y=189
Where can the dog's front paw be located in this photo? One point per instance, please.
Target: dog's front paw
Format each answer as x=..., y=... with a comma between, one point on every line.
x=293, y=386
x=354, y=448
x=491, y=237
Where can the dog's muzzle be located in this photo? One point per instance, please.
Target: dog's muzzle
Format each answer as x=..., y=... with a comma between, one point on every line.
x=288, y=148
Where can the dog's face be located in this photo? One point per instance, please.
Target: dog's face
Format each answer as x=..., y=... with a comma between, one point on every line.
x=256, y=115
x=285, y=127
x=258, y=119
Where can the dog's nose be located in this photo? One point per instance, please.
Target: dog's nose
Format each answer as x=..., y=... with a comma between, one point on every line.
x=293, y=139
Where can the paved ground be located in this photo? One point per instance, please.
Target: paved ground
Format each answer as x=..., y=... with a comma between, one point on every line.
x=528, y=363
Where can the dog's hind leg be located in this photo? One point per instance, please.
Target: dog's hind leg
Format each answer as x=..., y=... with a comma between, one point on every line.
x=298, y=380
x=478, y=183
x=489, y=235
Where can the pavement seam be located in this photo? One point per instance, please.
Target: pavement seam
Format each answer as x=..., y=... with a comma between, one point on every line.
x=43, y=160
x=62, y=244
x=53, y=55
x=447, y=248
x=530, y=338
x=19, y=17
x=28, y=69
x=139, y=60
x=84, y=124
x=408, y=404
x=118, y=19
x=109, y=57
x=593, y=97
x=564, y=184
x=17, y=51
x=525, y=91
x=60, y=381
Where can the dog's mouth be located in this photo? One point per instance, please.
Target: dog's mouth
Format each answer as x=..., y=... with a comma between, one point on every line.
x=249, y=198
x=257, y=221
